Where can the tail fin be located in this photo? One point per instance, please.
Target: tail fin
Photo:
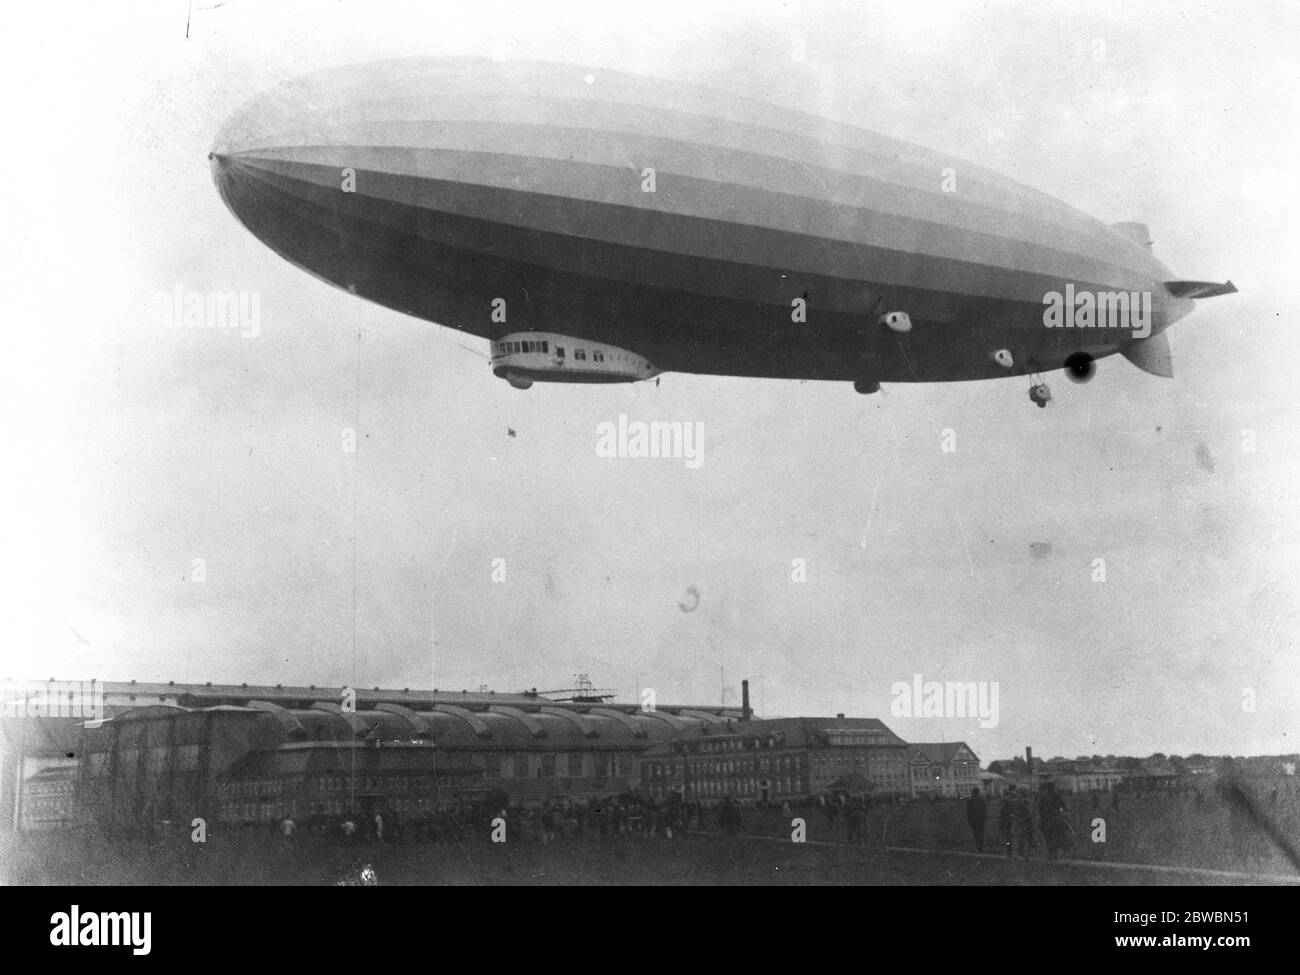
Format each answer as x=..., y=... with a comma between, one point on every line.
x=1200, y=289
x=1151, y=355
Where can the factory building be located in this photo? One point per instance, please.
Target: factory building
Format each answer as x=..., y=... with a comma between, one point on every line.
x=247, y=755
x=783, y=758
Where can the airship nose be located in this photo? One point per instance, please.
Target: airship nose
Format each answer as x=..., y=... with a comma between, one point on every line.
x=286, y=136
x=278, y=163
x=219, y=168
x=245, y=147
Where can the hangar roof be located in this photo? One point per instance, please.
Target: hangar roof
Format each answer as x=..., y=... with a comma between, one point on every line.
x=447, y=726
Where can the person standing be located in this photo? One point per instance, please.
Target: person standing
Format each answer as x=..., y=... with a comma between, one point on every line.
x=976, y=814
x=1006, y=819
x=1022, y=825
x=853, y=820
x=1051, y=820
x=287, y=829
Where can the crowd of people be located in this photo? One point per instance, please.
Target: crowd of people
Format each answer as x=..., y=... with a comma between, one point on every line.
x=1019, y=832
x=551, y=821
x=1024, y=823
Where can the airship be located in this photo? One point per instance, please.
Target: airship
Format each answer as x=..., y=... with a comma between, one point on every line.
x=596, y=226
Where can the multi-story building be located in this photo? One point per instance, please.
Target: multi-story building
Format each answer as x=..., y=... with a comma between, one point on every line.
x=947, y=769
x=46, y=794
x=777, y=759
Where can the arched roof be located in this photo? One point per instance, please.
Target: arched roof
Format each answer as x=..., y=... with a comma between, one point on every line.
x=351, y=718
x=418, y=723
x=588, y=727
x=553, y=726
x=535, y=727
x=287, y=719
x=475, y=722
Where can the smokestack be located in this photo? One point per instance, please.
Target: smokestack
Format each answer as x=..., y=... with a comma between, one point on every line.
x=1029, y=759
x=746, y=712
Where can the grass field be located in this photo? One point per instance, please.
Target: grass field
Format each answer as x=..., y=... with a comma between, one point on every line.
x=706, y=859
x=1153, y=831
x=1168, y=830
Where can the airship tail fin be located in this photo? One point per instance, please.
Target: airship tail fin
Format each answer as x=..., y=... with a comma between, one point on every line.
x=1200, y=289
x=1151, y=355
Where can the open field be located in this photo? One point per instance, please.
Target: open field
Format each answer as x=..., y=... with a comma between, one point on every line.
x=705, y=859
x=1170, y=830
x=1149, y=839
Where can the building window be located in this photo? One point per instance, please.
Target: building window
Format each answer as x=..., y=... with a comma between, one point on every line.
x=547, y=768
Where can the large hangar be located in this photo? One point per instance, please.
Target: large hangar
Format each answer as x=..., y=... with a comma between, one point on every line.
x=169, y=753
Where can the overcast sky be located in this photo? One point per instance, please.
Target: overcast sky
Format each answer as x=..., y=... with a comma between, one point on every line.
x=137, y=450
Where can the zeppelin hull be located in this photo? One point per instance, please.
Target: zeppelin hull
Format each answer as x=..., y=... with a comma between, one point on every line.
x=692, y=229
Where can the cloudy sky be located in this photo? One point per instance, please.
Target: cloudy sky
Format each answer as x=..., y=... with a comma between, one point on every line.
x=137, y=450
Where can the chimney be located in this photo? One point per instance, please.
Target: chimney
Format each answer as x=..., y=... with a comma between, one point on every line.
x=746, y=712
x=1029, y=759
